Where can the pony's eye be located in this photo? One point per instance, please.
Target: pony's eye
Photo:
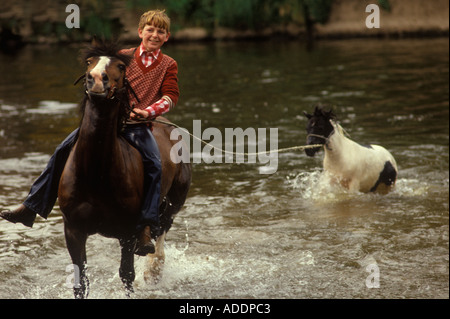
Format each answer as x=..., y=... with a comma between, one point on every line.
x=121, y=67
x=88, y=62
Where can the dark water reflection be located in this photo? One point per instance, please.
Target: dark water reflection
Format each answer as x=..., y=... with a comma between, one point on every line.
x=243, y=234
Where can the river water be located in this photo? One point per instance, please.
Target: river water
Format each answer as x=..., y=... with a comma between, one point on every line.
x=243, y=234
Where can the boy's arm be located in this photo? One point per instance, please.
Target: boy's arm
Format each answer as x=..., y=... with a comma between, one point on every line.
x=170, y=92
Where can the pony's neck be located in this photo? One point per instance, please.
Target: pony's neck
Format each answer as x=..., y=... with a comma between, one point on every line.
x=98, y=140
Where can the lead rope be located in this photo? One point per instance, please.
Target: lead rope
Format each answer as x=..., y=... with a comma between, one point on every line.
x=280, y=150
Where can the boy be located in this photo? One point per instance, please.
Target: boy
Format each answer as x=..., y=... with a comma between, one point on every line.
x=153, y=77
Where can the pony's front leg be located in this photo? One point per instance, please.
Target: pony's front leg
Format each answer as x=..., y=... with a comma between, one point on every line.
x=126, y=270
x=155, y=262
x=76, y=244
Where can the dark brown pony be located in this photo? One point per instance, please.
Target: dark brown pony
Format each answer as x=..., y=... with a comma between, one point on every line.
x=101, y=188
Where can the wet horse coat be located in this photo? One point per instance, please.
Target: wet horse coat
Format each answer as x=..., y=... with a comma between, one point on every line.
x=356, y=167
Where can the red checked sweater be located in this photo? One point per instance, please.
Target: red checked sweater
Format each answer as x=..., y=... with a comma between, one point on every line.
x=156, y=85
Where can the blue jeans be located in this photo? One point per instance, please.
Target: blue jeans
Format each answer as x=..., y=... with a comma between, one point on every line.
x=44, y=191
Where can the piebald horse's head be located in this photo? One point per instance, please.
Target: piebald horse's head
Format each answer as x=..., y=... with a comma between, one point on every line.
x=105, y=74
x=319, y=128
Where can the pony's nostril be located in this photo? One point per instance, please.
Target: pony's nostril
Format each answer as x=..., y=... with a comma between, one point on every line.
x=89, y=76
x=105, y=77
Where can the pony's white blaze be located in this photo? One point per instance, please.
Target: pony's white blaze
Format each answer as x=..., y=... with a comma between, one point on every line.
x=97, y=73
x=356, y=167
x=102, y=63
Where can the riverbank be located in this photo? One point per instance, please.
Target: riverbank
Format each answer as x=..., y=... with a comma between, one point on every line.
x=405, y=18
x=348, y=19
x=36, y=22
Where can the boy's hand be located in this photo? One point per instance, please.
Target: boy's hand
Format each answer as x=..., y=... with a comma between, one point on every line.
x=139, y=114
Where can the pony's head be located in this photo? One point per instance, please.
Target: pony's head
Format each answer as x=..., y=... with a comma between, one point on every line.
x=105, y=73
x=319, y=128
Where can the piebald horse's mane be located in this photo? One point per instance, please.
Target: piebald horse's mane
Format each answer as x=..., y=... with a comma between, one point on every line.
x=322, y=111
x=338, y=128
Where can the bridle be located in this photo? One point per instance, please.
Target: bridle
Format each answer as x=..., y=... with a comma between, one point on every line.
x=326, y=139
x=114, y=92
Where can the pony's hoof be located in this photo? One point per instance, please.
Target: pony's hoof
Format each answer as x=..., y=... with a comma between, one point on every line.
x=144, y=244
x=144, y=250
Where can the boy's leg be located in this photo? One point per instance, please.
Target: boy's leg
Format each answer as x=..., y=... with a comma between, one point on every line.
x=140, y=137
x=44, y=190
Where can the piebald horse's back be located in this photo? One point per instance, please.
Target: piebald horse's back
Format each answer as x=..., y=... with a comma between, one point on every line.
x=361, y=168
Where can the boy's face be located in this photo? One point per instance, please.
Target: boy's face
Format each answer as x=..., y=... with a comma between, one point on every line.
x=153, y=38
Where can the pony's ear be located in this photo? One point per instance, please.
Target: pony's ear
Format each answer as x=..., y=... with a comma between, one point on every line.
x=331, y=115
x=94, y=41
x=318, y=110
x=309, y=116
x=97, y=41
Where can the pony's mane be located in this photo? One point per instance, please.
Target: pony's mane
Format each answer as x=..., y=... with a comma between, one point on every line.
x=326, y=112
x=104, y=48
x=340, y=130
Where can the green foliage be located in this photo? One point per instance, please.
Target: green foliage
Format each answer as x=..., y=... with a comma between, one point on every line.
x=248, y=14
x=385, y=4
x=210, y=14
x=319, y=10
x=95, y=19
x=181, y=12
x=237, y=14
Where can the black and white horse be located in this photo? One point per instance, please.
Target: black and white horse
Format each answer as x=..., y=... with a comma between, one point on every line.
x=356, y=167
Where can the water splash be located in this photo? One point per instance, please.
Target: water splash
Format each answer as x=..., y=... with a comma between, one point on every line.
x=317, y=186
